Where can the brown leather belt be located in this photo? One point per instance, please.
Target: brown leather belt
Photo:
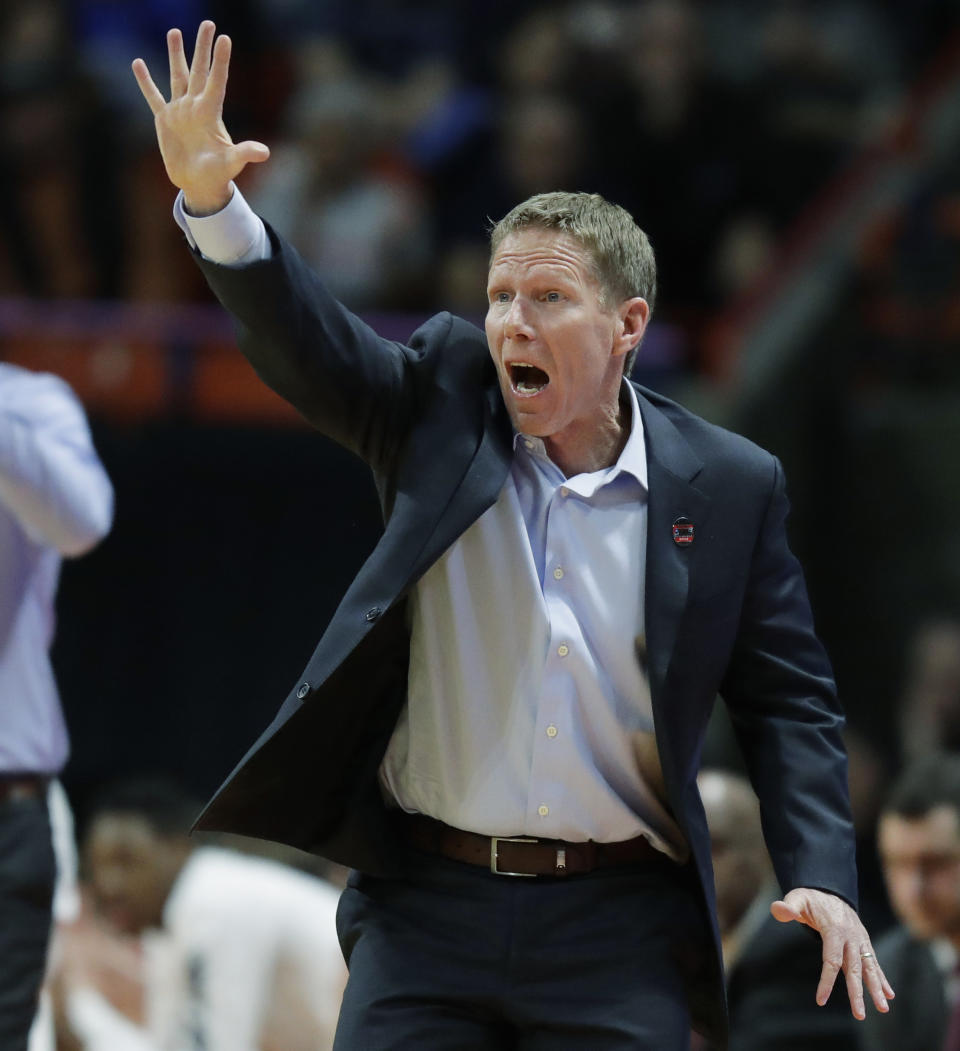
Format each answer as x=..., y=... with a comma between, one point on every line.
x=16, y=787
x=525, y=855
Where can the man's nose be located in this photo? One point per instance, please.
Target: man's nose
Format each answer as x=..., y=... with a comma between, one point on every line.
x=109, y=881
x=517, y=321
x=915, y=884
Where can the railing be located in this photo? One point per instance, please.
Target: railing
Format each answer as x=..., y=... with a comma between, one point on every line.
x=770, y=323
x=133, y=362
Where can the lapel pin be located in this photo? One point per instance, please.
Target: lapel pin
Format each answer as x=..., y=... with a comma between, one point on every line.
x=682, y=531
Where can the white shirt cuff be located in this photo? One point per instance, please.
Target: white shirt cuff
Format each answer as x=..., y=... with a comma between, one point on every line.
x=234, y=236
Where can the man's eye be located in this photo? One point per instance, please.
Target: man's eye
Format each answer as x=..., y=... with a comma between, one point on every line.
x=552, y=297
x=501, y=297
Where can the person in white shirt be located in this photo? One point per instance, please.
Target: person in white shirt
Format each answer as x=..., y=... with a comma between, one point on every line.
x=240, y=953
x=56, y=501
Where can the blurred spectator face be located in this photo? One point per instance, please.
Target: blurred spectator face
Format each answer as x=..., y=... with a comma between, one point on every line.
x=790, y=39
x=463, y=275
x=741, y=865
x=665, y=46
x=932, y=694
x=36, y=112
x=131, y=870
x=921, y=862
x=536, y=56
x=542, y=146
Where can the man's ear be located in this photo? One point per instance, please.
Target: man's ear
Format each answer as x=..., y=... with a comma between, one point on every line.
x=633, y=316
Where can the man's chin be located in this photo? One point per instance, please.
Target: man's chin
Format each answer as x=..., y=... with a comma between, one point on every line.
x=925, y=929
x=529, y=421
x=123, y=921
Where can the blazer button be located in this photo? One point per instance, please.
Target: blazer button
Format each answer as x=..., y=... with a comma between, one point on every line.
x=373, y=614
x=303, y=690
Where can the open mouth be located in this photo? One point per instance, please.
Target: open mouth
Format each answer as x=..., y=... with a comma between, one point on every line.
x=527, y=380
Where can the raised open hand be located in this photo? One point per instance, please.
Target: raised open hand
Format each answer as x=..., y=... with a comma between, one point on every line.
x=200, y=157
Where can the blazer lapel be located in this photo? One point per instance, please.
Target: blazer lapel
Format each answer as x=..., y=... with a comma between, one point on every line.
x=479, y=487
x=671, y=467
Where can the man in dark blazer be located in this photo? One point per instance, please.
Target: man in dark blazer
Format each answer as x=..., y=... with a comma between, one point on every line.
x=597, y=671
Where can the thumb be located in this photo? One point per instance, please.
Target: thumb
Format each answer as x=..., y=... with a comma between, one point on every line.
x=250, y=152
x=783, y=913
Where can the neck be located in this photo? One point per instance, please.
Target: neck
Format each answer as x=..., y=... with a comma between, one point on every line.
x=595, y=446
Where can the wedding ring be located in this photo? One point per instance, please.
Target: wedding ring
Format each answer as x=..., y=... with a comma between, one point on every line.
x=865, y=955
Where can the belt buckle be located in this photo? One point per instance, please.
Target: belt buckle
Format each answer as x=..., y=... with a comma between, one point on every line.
x=494, y=840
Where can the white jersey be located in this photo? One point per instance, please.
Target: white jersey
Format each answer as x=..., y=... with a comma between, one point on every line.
x=248, y=959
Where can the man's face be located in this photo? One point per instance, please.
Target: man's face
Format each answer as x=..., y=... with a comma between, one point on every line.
x=557, y=347
x=921, y=861
x=131, y=870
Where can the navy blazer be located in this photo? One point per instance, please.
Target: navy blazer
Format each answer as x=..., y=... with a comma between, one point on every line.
x=725, y=615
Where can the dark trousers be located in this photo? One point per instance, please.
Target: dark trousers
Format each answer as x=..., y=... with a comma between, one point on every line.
x=27, y=875
x=453, y=958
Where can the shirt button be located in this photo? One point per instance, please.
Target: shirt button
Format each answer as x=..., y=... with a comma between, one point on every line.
x=528, y=442
x=564, y=491
x=543, y=810
x=552, y=731
x=563, y=650
x=558, y=573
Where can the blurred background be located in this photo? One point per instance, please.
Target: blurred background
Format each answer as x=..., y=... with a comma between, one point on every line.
x=796, y=165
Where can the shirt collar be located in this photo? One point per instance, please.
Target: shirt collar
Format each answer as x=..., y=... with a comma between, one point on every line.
x=632, y=459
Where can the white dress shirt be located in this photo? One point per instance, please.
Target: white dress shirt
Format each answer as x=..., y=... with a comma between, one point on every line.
x=528, y=711
x=55, y=500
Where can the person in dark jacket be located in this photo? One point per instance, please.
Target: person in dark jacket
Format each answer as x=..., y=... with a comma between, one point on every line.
x=501, y=727
x=919, y=844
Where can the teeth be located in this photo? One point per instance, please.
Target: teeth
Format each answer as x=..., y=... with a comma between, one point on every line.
x=527, y=378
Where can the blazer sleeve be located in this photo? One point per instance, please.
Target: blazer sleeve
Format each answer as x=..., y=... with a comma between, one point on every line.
x=782, y=700
x=357, y=388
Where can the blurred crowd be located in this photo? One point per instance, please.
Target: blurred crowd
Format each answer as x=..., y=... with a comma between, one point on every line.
x=398, y=131
x=906, y=319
